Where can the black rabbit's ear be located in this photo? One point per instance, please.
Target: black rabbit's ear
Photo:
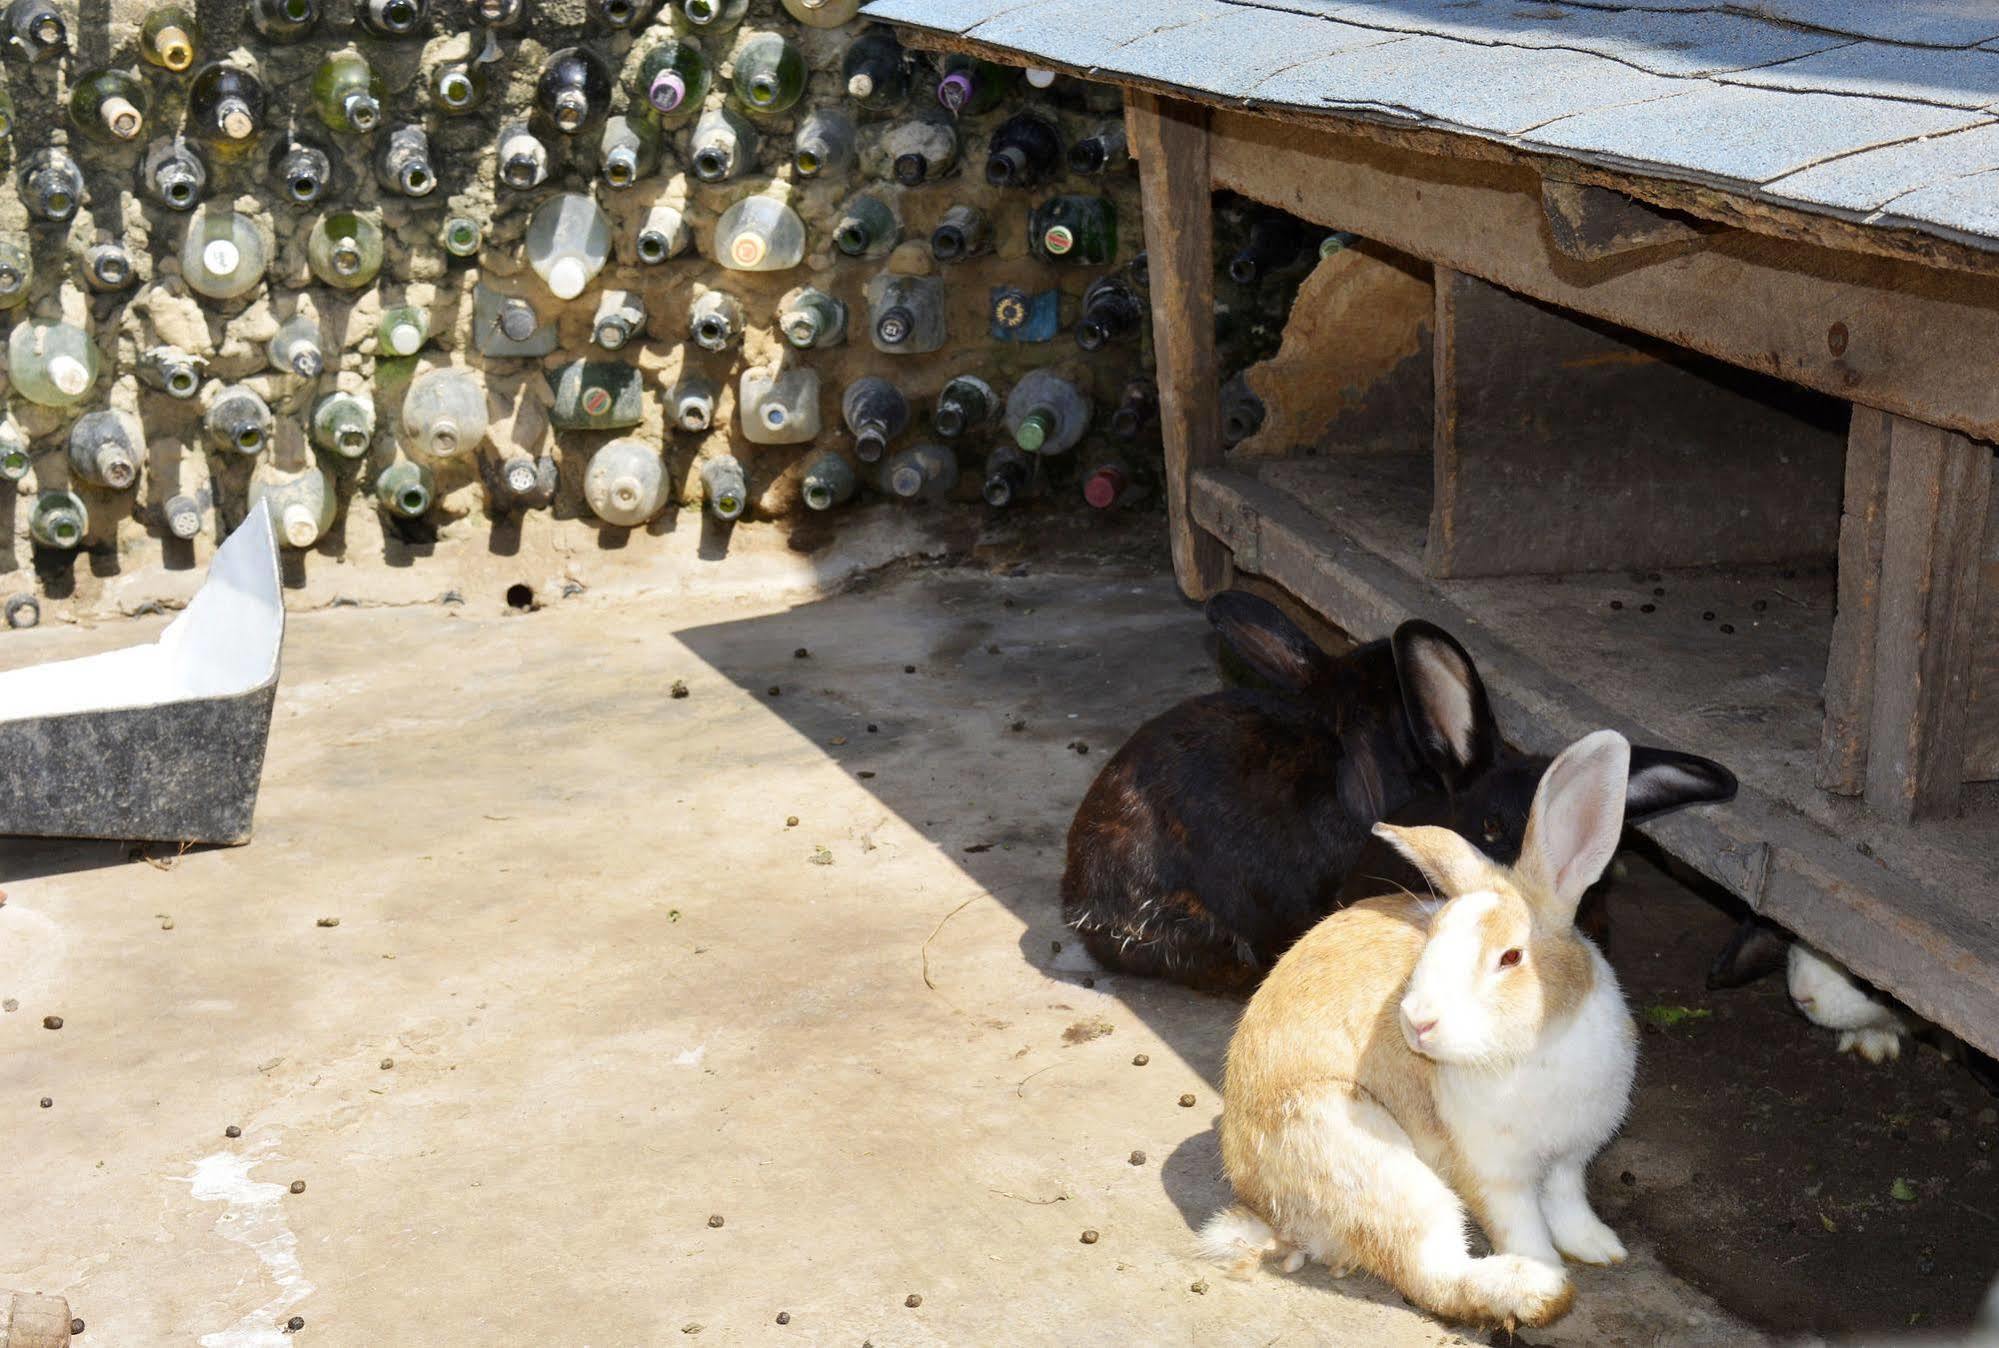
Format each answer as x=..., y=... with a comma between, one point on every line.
x=1665, y=779
x=1267, y=641
x=1449, y=716
x=1757, y=948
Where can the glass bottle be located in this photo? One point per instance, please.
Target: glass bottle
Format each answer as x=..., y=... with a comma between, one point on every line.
x=391, y=18
x=962, y=232
x=778, y=407
x=724, y=145
x=345, y=249
x=1275, y=241
x=456, y=87
x=403, y=330
x=827, y=481
x=759, y=234
x=1025, y=150
x=876, y=412
x=824, y=145
x=628, y=149
x=106, y=449
x=301, y=503
x=1242, y=410
x=971, y=86
x=574, y=91
x=502, y=14
x=168, y=38
x=404, y=165
x=302, y=168
x=108, y=266
x=672, y=77
x=238, y=419
x=596, y=395
x=693, y=401
x=1111, y=309
x=347, y=93
x=51, y=184
x=461, y=236
x=508, y=325
x=38, y=29
x=809, y=317
x=920, y=149
x=53, y=364
x=1102, y=151
x=1137, y=406
x=822, y=13
x=714, y=16
x=715, y=321
x=172, y=174
x=6, y=113
x=526, y=482
x=625, y=484
x=523, y=157
x=170, y=370
x=343, y=423
x=223, y=254
x=1046, y=413
x=925, y=471
x=724, y=489
x=906, y=313
x=406, y=489
x=1008, y=474
x=58, y=520
x=444, y=412
x=182, y=516
x=1107, y=481
x=875, y=70
x=769, y=74
x=225, y=106
x=109, y=106
x=17, y=270
x=621, y=316
x=568, y=241
x=662, y=234
x=867, y=227
x=1081, y=230
x=284, y=21
x=619, y=13
x=965, y=404
x=296, y=347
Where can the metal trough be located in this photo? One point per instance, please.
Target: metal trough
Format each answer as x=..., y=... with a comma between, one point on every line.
x=162, y=742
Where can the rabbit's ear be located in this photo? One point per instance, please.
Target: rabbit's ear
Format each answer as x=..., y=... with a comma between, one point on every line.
x=1665, y=779
x=1267, y=641
x=1451, y=865
x=1576, y=821
x=1756, y=950
x=1449, y=716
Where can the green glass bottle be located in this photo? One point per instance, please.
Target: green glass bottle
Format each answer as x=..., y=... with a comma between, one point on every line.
x=347, y=93
x=168, y=38
x=770, y=74
x=6, y=113
x=17, y=268
x=456, y=87
x=597, y=395
x=58, y=520
x=672, y=78
x=406, y=489
x=403, y=331
x=225, y=107
x=1080, y=230
x=867, y=227
x=714, y=16
x=343, y=423
x=345, y=249
x=461, y=236
x=109, y=106
x=15, y=457
x=284, y=21
x=828, y=480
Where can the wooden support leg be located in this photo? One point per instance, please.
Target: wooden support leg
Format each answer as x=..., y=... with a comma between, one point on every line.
x=1932, y=554
x=1170, y=140
x=1849, y=671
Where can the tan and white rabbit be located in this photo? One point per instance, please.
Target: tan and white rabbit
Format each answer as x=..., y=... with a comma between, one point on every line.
x=1411, y=1059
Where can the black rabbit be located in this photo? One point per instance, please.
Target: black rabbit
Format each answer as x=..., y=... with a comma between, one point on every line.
x=1230, y=824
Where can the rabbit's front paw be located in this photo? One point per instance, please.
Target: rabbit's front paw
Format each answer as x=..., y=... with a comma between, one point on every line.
x=1873, y=1045
x=1583, y=1237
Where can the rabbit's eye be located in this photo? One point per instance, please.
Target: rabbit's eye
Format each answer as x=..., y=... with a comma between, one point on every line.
x=1492, y=828
x=1510, y=958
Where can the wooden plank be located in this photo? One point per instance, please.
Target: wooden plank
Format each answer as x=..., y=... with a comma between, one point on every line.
x=1170, y=141
x=1849, y=672
x=1564, y=444
x=1592, y=223
x=1981, y=753
x=1932, y=557
x=1854, y=327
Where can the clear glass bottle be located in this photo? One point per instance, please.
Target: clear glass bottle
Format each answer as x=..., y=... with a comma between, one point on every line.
x=502, y=14
x=769, y=74
x=922, y=472
x=343, y=423
x=108, y=266
x=404, y=164
x=301, y=503
x=444, y=412
x=965, y=405
x=809, y=317
x=919, y=149
x=17, y=271
x=1009, y=473
x=822, y=13
x=875, y=70
x=15, y=457
x=51, y=184
x=568, y=242
x=52, y=364
x=714, y=16
x=106, y=449
x=693, y=400
x=1046, y=413
x=759, y=234
x=621, y=316
x=715, y=320
x=38, y=29
x=673, y=78
x=170, y=370
x=625, y=483
x=301, y=168
x=724, y=488
x=456, y=87
x=778, y=407
x=109, y=106
x=906, y=313
x=824, y=145
x=574, y=91
x=876, y=411
x=724, y=146
x=828, y=481
x=391, y=18
x=628, y=149
x=1074, y=229
x=1025, y=150
x=172, y=174
x=225, y=107
x=1102, y=151
x=867, y=227
x=663, y=233
x=182, y=515
x=297, y=348
x=238, y=419
x=523, y=157
x=347, y=93
x=58, y=520
x=962, y=232
x=461, y=236
x=403, y=330
x=405, y=489
x=620, y=14
x=345, y=249
x=284, y=21
x=169, y=37
x=223, y=254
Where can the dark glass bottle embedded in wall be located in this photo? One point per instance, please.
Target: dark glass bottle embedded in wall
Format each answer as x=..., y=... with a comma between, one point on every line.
x=225, y=106
x=1275, y=241
x=391, y=18
x=172, y=174
x=621, y=14
x=1242, y=410
x=876, y=412
x=963, y=232
x=1102, y=151
x=1008, y=475
x=1074, y=229
x=964, y=405
x=1111, y=309
x=1025, y=149
x=971, y=86
x=574, y=91
x=284, y=21
x=1137, y=408
x=37, y=28
x=876, y=70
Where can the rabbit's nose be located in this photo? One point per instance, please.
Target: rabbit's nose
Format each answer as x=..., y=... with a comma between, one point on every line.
x=1423, y=1028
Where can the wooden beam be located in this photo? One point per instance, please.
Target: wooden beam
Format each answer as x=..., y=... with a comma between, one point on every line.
x=1981, y=755
x=1932, y=556
x=1849, y=671
x=1170, y=141
x=1856, y=327
x=1592, y=223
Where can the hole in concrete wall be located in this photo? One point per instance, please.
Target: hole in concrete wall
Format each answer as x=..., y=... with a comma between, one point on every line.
x=520, y=595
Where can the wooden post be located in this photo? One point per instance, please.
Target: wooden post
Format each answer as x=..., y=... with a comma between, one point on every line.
x=1849, y=669
x=1932, y=553
x=1170, y=140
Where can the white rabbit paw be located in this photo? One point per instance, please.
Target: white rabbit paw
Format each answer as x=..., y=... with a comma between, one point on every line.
x=1523, y=1291
x=1874, y=1045
x=1583, y=1237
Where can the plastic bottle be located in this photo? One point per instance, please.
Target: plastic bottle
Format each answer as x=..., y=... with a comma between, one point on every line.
x=301, y=503
x=625, y=484
x=444, y=412
x=343, y=423
x=723, y=488
x=769, y=74
x=925, y=471
x=238, y=419
x=627, y=150
x=809, y=317
x=759, y=234
x=778, y=407
x=52, y=364
x=1008, y=474
x=716, y=321
x=962, y=232
x=724, y=145
x=106, y=448
x=1046, y=413
x=296, y=347
x=406, y=489
x=693, y=400
x=867, y=227
x=223, y=254
x=827, y=481
x=568, y=241
x=906, y=313
x=58, y=520
x=172, y=174
x=345, y=249
x=876, y=411
x=824, y=145
x=347, y=93
x=965, y=404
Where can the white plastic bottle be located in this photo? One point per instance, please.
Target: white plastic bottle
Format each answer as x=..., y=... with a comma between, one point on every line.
x=759, y=234
x=301, y=503
x=778, y=407
x=444, y=412
x=625, y=483
x=223, y=254
x=568, y=241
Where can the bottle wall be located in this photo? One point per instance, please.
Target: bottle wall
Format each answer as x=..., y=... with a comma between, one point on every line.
x=417, y=255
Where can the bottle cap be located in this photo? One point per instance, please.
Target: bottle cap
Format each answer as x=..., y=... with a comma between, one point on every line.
x=748, y=250
x=1032, y=433
x=1104, y=487
x=610, y=335
x=666, y=91
x=235, y=120
x=69, y=375
x=566, y=277
x=1040, y=79
x=444, y=436
x=1058, y=240
x=183, y=517
x=115, y=466
x=405, y=339
x=520, y=475
x=895, y=325
x=518, y=320
x=121, y=119
x=300, y=528
x=775, y=416
x=308, y=362
x=625, y=492
x=221, y=256
x=905, y=479
x=860, y=85
x=954, y=91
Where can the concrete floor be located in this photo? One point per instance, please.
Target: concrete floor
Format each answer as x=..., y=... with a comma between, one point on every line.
x=623, y=996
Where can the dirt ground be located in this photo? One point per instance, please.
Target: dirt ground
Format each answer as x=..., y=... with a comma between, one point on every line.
x=650, y=1017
